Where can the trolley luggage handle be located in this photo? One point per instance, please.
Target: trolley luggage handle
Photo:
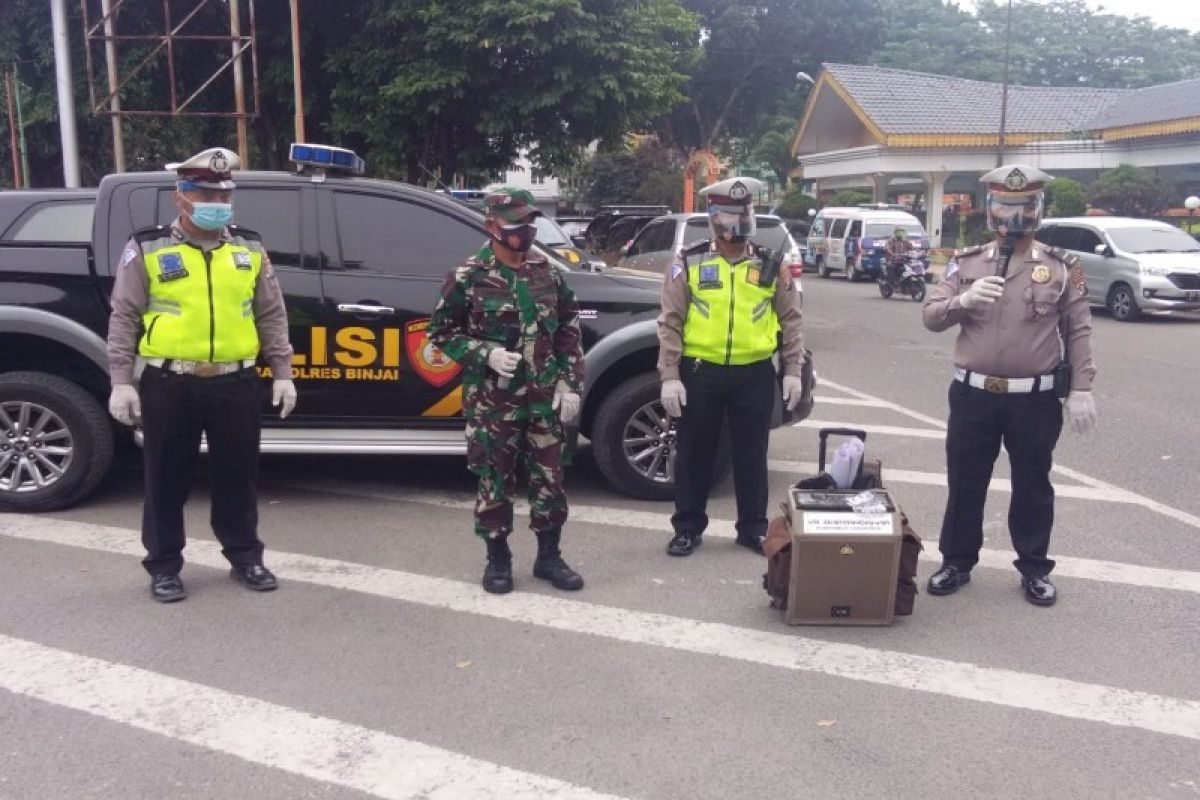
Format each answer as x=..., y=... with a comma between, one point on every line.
x=825, y=433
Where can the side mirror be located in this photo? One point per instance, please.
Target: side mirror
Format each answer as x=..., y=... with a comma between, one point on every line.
x=579, y=240
x=1103, y=250
x=597, y=266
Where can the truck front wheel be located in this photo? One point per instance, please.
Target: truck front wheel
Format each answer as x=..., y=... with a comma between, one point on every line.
x=56, y=442
x=633, y=441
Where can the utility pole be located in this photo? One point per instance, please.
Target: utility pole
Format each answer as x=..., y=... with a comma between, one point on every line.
x=114, y=102
x=1004, y=89
x=16, y=76
x=296, y=88
x=239, y=96
x=66, y=96
x=12, y=130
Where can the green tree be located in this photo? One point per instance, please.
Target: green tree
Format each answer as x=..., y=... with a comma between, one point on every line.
x=796, y=205
x=1065, y=198
x=850, y=197
x=648, y=173
x=1130, y=191
x=447, y=86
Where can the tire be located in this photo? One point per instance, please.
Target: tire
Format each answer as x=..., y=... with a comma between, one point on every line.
x=75, y=443
x=885, y=288
x=852, y=272
x=633, y=408
x=822, y=268
x=1122, y=304
x=916, y=289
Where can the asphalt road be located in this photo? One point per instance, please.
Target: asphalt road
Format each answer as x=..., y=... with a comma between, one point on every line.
x=381, y=669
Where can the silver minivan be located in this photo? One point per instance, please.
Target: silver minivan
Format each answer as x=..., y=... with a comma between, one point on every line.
x=655, y=246
x=1132, y=265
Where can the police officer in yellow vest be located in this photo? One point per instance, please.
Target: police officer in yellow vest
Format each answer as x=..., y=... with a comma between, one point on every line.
x=195, y=303
x=724, y=304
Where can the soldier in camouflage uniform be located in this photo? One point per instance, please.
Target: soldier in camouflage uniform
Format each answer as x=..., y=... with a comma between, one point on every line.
x=508, y=316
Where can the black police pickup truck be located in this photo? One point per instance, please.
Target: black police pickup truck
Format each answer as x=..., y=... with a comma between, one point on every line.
x=361, y=263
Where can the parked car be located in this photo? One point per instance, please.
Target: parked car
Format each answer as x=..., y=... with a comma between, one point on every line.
x=360, y=262
x=551, y=235
x=852, y=239
x=654, y=248
x=1132, y=265
x=575, y=227
x=596, y=236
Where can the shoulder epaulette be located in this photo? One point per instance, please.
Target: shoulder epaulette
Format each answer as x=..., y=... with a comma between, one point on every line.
x=969, y=251
x=150, y=233
x=245, y=233
x=1070, y=259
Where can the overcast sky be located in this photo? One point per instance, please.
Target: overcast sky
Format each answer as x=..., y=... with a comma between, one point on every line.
x=1173, y=13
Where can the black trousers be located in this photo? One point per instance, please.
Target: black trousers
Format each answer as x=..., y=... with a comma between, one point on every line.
x=176, y=409
x=1028, y=425
x=742, y=397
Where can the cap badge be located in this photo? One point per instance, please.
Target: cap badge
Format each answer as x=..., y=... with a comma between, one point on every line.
x=738, y=191
x=1015, y=181
x=219, y=163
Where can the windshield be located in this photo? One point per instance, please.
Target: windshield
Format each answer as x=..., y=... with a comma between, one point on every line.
x=884, y=230
x=771, y=233
x=548, y=233
x=1153, y=240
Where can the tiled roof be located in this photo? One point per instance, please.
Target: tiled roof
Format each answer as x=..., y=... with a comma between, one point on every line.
x=1162, y=103
x=903, y=102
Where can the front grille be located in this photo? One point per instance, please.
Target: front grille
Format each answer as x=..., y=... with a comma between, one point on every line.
x=1184, y=280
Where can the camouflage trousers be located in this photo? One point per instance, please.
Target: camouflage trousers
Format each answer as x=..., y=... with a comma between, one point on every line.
x=501, y=451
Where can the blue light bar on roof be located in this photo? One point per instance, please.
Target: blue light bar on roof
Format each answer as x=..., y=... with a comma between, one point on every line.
x=321, y=155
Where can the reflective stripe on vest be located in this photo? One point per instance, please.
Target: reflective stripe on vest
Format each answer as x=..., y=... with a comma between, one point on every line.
x=201, y=309
x=731, y=319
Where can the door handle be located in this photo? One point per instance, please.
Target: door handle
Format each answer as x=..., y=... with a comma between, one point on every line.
x=358, y=308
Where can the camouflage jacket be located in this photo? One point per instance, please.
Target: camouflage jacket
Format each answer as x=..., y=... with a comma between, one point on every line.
x=481, y=301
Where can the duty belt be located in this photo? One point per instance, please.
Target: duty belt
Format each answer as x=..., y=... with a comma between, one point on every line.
x=989, y=383
x=200, y=369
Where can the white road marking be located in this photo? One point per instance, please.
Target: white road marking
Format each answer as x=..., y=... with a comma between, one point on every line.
x=826, y=400
x=263, y=733
x=1110, y=494
x=1066, y=566
x=1180, y=515
x=919, y=433
x=1003, y=687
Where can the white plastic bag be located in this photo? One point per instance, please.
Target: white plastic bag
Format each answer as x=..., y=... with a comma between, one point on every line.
x=846, y=462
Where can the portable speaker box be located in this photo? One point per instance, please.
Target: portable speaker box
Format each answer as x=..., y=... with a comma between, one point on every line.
x=845, y=557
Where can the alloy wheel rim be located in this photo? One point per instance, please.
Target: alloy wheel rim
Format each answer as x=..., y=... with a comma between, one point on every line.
x=648, y=443
x=36, y=447
x=1121, y=301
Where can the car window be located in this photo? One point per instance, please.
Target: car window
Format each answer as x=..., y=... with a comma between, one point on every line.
x=388, y=235
x=56, y=222
x=696, y=229
x=774, y=236
x=838, y=229
x=855, y=229
x=644, y=242
x=1067, y=237
x=664, y=237
x=1153, y=239
x=274, y=213
x=1047, y=236
x=1088, y=241
x=549, y=233
x=884, y=230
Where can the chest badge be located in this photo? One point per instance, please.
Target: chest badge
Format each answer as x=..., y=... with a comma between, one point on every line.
x=1041, y=273
x=241, y=260
x=709, y=278
x=753, y=275
x=171, y=267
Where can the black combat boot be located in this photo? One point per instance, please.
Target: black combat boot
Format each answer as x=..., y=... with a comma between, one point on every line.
x=497, y=575
x=550, y=565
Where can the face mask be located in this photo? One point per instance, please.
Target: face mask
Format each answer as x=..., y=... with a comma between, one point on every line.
x=211, y=216
x=518, y=238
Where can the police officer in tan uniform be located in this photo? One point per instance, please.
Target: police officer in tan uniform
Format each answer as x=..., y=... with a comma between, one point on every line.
x=726, y=309
x=1023, y=361
x=195, y=303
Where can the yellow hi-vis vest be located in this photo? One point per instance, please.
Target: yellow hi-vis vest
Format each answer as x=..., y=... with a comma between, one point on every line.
x=201, y=303
x=730, y=319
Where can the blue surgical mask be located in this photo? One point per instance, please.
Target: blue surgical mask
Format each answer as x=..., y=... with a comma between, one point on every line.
x=212, y=216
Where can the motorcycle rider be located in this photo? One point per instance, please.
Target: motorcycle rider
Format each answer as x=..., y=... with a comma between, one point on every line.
x=896, y=247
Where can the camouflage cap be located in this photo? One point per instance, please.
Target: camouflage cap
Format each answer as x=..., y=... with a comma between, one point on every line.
x=510, y=204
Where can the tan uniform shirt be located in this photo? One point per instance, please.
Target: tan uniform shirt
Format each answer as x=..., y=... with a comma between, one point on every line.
x=131, y=297
x=1022, y=334
x=677, y=299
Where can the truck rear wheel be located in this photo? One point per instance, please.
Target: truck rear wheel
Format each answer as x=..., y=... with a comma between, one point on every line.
x=56, y=442
x=633, y=441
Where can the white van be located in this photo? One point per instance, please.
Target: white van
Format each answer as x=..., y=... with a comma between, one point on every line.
x=852, y=240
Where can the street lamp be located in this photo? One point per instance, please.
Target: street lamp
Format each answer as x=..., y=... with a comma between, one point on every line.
x=1191, y=204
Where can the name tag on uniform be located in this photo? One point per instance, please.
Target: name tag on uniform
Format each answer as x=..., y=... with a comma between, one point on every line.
x=241, y=260
x=709, y=278
x=171, y=266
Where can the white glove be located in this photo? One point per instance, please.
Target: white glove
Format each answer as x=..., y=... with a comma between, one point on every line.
x=982, y=292
x=1081, y=411
x=674, y=397
x=283, y=392
x=124, y=404
x=504, y=362
x=567, y=404
x=793, y=387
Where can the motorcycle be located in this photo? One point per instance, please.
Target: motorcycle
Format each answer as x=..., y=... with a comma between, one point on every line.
x=910, y=281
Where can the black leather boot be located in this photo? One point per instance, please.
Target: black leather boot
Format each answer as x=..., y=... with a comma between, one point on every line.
x=550, y=565
x=497, y=575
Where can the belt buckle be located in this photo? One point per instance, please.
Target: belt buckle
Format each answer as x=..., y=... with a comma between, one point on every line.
x=995, y=385
x=206, y=370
